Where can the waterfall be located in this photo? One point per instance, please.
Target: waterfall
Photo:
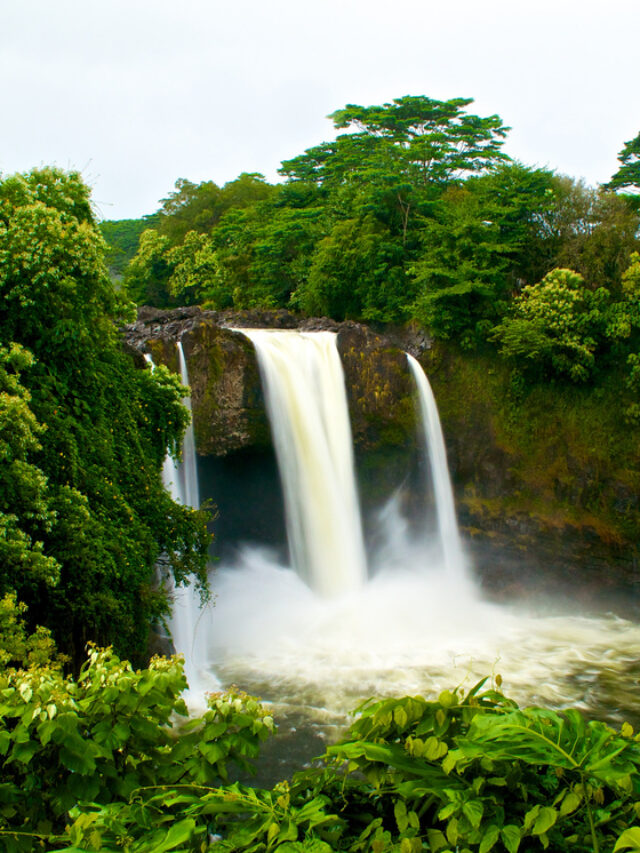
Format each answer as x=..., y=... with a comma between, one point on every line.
x=435, y=449
x=186, y=601
x=180, y=479
x=417, y=627
x=307, y=407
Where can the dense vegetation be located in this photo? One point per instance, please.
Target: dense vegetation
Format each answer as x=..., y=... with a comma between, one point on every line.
x=83, y=433
x=415, y=214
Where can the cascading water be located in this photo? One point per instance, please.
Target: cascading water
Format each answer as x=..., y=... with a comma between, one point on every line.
x=434, y=445
x=418, y=626
x=307, y=407
x=180, y=478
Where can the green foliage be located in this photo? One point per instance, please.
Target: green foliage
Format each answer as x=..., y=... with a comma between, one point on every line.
x=83, y=432
x=199, y=207
x=435, y=141
x=264, y=252
x=53, y=281
x=592, y=231
x=364, y=254
x=628, y=175
x=471, y=773
x=461, y=274
x=555, y=325
x=123, y=237
x=414, y=213
x=17, y=647
x=147, y=275
x=113, y=737
x=194, y=268
x=26, y=514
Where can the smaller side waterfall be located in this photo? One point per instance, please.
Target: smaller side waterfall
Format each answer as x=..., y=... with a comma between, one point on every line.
x=307, y=407
x=434, y=444
x=186, y=603
x=181, y=481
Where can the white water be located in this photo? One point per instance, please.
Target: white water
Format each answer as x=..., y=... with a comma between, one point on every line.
x=180, y=479
x=307, y=406
x=405, y=632
x=434, y=445
x=416, y=627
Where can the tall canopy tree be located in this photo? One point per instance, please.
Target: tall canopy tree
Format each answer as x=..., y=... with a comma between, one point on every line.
x=92, y=430
x=432, y=142
x=199, y=207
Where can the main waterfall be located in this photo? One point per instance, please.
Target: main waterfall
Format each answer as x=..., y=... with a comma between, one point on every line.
x=307, y=406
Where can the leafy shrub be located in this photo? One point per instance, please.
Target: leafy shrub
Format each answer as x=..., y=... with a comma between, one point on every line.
x=472, y=773
x=110, y=736
x=555, y=326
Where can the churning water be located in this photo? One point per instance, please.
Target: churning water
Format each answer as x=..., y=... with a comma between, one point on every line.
x=315, y=648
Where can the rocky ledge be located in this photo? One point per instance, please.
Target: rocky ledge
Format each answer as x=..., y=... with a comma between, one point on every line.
x=227, y=398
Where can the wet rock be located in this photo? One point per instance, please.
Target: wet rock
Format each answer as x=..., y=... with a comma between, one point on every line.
x=226, y=393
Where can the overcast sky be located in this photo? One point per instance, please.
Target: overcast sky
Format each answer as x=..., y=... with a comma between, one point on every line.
x=138, y=93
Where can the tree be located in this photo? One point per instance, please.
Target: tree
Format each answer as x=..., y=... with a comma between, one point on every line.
x=516, y=199
x=432, y=142
x=460, y=276
x=628, y=175
x=84, y=431
x=555, y=327
x=357, y=272
x=398, y=158
x=264, y=252
x=26, y=514
x=199, y=207
x=438, y=140
x=592, y=231
x=146, y=278
x=123, y=238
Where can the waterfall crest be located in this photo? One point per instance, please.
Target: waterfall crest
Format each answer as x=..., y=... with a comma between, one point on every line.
x=433, y=441
x=307, y=407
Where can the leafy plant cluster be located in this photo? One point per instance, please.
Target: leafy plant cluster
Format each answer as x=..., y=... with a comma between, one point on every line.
x=83, y=433
x=111, y=736
x=101, y=763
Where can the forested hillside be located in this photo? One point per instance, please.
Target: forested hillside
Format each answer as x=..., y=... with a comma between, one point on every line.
x=83, y=513
x=414, y=214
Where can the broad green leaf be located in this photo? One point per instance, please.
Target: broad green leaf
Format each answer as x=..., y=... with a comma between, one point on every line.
x=510, y=835
x=434, y=749
x=545, y=819
x=629, y=840
x=436, y=840
x=400, y=717
x=489, y=839
x=473, y=811
x=400, y=812
x=570, y=803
